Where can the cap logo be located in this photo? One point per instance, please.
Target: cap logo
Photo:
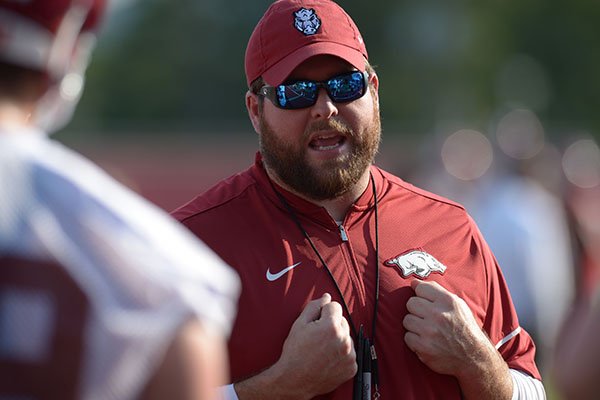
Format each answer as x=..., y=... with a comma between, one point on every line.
x=306, y=21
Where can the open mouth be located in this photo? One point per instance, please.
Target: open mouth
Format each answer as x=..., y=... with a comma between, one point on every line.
x=327, y=142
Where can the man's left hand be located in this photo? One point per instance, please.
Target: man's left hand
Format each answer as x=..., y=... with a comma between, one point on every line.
x=441, y=329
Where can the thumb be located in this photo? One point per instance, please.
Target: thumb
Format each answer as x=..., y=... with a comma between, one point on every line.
x=312, y=311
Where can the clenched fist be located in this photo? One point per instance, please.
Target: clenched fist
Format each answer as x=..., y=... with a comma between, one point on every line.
x=443, y=333
x=318, y=351
x=317, y=356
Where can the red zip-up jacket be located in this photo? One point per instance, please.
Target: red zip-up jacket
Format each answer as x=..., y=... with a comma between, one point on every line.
x=244, y=221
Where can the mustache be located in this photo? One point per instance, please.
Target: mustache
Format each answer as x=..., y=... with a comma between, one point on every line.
x=329, y=125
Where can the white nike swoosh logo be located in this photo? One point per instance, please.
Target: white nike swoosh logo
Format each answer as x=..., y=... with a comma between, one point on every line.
x=273, y=277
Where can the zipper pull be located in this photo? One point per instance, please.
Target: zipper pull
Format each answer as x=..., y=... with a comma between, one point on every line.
x=343, y=234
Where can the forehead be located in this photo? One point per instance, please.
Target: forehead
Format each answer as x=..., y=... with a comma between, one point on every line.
x=320, y=67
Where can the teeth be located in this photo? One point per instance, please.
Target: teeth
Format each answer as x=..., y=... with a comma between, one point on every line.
x=327, y=147
x=326, y=142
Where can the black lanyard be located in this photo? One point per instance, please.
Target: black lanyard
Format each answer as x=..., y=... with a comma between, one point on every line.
x=365, y=348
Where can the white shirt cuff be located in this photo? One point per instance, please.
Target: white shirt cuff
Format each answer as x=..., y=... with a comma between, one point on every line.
x=228, y=392
x=526, y=387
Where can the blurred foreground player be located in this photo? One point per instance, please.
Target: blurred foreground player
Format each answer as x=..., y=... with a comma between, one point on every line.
x=95, y=302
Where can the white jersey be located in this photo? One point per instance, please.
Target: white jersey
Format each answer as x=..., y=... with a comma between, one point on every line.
x=73, y=242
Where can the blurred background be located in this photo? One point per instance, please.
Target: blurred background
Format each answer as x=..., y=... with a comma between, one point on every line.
x=493, y=104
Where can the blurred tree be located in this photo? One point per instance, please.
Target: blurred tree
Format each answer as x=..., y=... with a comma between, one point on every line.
x=179, y=65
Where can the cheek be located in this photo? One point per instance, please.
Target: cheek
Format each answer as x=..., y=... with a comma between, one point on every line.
x=361, y=111
x=285, y=124
x=360, y=118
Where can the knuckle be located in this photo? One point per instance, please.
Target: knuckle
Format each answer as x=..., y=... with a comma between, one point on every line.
x=453, y=299
x=352, y=353
x=441, y=318
x=423, y=357
x=352, y=369
x=410, y=304
x=328, y=319
x=344, y=323
x=336, y=308
x=344, y=347
x=331, y=330
x=349, y=346
x=460, y=304
x=413, y=300
x=414, y=342
x=406, y=322
x=431, y=331
x=331, y=310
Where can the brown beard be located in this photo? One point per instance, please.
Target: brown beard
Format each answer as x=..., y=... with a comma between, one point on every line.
x=334, y=177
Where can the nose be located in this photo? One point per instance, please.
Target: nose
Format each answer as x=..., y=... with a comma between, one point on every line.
x=324, y=108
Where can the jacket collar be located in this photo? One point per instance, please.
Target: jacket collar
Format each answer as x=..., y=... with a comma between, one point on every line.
x=309, y=209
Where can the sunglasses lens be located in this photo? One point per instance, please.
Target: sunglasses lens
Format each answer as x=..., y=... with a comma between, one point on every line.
x=303, y=94
x=346, y=87
x=299, y=94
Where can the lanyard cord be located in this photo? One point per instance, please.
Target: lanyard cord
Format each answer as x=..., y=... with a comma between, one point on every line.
x=376, y=297
x=374, y=326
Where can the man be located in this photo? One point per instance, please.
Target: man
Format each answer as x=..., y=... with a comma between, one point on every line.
x=354, y=283
x=95, y=303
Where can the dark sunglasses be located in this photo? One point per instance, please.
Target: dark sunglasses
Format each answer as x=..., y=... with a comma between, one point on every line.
x=341, y=88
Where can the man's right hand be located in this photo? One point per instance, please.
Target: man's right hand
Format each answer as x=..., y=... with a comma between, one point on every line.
x=318, y=355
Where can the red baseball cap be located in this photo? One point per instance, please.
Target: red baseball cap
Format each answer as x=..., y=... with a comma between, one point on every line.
x=292, y=31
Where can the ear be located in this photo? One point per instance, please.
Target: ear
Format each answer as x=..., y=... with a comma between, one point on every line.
x=253, y=110
x=374, y=82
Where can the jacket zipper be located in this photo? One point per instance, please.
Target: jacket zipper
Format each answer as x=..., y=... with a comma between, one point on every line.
x=343, y=234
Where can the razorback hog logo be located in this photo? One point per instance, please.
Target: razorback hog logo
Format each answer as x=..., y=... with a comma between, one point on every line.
x=416, y=262
x=306, y=21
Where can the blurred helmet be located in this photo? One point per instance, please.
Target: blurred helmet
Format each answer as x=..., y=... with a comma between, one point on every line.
x=55, y=37
x=43, y=34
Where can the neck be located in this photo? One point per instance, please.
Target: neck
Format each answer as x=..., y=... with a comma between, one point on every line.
x=337, y=207
x=12, y=115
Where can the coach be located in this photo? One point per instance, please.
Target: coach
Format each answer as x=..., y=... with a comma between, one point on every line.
x=354, y=282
